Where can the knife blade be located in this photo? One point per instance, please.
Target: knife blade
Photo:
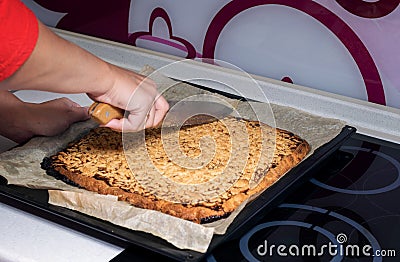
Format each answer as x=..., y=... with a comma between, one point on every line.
x=181, y=113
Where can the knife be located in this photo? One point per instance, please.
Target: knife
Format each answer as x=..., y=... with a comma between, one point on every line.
x=181, y=113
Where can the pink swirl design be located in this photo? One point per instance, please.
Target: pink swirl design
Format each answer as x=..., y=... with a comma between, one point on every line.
x=148, y=35
x=163, y=41
x=364, y=9
x=337, y=26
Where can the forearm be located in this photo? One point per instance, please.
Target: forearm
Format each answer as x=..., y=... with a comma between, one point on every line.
x=8, y=102
x=12, y=113
x=57, y=65
x=22, y=120
x=60, y=66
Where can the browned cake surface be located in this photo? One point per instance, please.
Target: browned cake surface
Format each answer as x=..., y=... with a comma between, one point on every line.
x=244, y=159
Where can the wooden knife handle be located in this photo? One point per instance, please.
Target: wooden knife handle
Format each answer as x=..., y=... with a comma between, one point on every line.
x=103, y=113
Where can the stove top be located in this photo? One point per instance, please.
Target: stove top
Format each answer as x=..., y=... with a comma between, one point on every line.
x=349, y=211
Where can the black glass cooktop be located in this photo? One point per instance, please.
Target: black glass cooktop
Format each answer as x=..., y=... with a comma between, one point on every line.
x=349, y=211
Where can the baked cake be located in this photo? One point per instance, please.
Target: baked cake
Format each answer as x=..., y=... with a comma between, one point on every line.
x=194, y=178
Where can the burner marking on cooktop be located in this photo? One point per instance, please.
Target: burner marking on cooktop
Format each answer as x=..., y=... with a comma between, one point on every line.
x=211, y=258
x=244, y=241
x=390, y=187
x=374, y=243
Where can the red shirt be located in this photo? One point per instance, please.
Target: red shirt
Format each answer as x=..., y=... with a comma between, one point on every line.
x=18, y=36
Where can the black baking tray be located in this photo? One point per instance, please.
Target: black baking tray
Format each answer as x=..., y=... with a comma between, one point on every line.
x=35, y=201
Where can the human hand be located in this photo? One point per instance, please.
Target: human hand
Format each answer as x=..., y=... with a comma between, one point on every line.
x=55, y=116
x=74, y=70
x=137, y=95
x=45, y=119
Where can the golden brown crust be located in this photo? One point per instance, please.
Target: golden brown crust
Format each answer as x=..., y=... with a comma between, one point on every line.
x=286, y=163
x=97, y=163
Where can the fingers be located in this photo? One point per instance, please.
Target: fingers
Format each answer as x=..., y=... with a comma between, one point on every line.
x=150, y=117
x=54, y=117
x=146, y=109
x=74, y=112
x=115, y=124
x=140, y=120
x=137, y=95
x=161, y=108
x=134, y=122
x=78, y=113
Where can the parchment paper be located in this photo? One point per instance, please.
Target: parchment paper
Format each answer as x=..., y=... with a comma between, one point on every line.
x=21, y=166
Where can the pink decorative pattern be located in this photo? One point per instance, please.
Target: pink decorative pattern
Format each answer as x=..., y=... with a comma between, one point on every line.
x=159, y=12
x=342, y=31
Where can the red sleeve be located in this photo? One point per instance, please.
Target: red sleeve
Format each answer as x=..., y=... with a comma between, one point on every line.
x=18, y=35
